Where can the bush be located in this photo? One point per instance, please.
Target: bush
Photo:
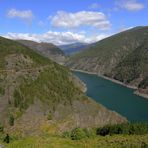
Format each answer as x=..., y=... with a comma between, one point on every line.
x=11, y=120
x=128, y=129
x=90, y=132
x=7, y=139
x=66, y=135
x=78, y=134
x=17, y=98
x=103, y=131
x=2, y=91
x=49, y=116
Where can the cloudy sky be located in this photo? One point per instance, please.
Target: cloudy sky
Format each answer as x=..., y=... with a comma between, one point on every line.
x=69, y=21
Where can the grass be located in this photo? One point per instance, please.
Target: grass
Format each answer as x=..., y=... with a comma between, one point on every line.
x=93, y=140
x=48, y=141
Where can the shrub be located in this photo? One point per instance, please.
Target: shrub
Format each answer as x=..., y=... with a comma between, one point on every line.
x=90, y=132
x=66, y=135
x=49, y=116
x=103, y=131
x=128, y=129
x=17, y=98
x=78, y=134
x=11, y=120
x=2, y=91
x=7, y=139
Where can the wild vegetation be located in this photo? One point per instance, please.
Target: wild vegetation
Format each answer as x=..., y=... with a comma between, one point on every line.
x=122, y=135
x=37, y=94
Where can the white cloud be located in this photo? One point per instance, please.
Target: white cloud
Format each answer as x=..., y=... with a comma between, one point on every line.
x=94, y=6
x=82, y=18
x=131, y=5
x=26, y=15
x=57, y=38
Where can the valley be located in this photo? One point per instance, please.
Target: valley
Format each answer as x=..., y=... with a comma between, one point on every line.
x=122, y=57
x=37, y=94
x=73, y=74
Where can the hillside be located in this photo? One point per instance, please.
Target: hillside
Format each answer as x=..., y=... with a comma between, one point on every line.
x=123, y=56
x=47, y=49
x=133, y=69
x=38, y=95
x=73, y=48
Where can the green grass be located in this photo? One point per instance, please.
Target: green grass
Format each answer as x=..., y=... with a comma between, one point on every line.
x=117, y=141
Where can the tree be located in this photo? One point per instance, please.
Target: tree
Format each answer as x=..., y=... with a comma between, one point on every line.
x=7, y=138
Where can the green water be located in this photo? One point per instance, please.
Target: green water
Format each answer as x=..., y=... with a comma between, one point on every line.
x=115, y=97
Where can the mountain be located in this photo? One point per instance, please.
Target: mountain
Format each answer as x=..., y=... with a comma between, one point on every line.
x=47, y=49
x=37, y=95
x=73, y=48
x=123, y=57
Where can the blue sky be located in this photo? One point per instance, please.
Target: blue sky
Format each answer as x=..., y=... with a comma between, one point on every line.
x=65, y=21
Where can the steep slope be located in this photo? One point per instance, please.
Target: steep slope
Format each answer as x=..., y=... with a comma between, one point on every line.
x=37, y=94
x=133, y=69
x=107, y=53
x=73, y=48
x=47, y=49
x=122, y=56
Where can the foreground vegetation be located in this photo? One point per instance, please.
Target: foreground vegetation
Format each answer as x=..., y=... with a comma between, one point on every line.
x=117, y=141
x=122, y=135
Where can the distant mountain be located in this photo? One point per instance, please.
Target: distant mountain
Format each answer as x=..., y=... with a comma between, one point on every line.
x=123, y=57
x=73, y=48
x=37, y=95
x=47, y=49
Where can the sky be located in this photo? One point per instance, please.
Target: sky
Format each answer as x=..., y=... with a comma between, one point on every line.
x=69, y=21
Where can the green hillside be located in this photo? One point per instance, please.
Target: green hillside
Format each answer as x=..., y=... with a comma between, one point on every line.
x=122, y=56
x=134, y=67
x=38, y=95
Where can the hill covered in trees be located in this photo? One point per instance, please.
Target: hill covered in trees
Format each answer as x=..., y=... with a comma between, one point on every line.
x=123, y=57
x=38, y=95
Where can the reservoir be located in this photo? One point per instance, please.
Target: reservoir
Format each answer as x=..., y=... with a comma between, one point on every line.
x=115, y=97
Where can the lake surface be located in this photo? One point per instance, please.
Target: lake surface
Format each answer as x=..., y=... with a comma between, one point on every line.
x=115, y=97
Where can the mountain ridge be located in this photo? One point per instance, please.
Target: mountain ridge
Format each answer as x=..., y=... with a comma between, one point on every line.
x=73, y=48
x=46, y=49
x=107, y=57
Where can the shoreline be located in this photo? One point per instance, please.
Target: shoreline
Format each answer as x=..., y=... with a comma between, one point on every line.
x=136, y=92
x=145, y=96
